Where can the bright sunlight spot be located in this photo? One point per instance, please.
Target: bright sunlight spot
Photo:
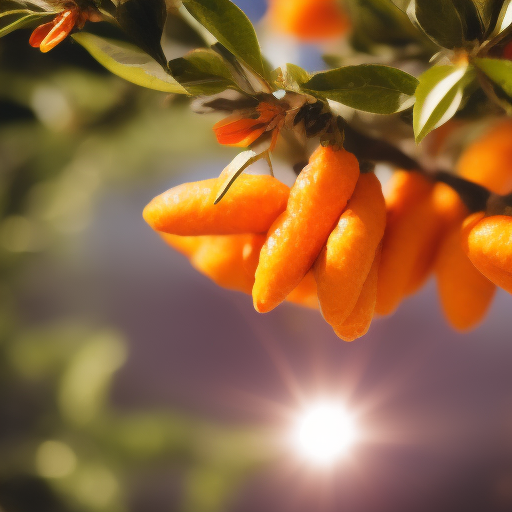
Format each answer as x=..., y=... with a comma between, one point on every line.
x=324, y=432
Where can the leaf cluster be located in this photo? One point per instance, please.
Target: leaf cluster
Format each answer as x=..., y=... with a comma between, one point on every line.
x=465, y=39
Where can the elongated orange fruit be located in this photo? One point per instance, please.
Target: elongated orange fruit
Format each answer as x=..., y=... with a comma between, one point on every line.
x=250, y=206
x=465, y=293
x=488, y=244
x=343, y=265
x=186, y=245
x=488, y=160
x=360, y=319
x=405, y=191
x=231, y=260
x=305, y=293
x=295, y=239
x=442, y=210
x=218, y=257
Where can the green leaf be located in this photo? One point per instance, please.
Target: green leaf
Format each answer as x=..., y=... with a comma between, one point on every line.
x=440, y=20
x=14, y=15
x=129, y=62
x=143, y=21
x=369, y=87
x=13, y=20
x=377, y=22
x=291, y=78
x=296, y=74
x=504, y=18
x=401, y=4
x=231, y=27
x=203, y=72
x=499, y=71
x=438, y=97
x=487, y=11
x=235, y=168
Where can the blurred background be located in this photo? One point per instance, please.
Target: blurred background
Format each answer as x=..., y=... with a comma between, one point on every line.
x=130, y=383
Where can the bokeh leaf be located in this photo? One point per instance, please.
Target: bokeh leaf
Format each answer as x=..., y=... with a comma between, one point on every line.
x=498, y=70
x=376, y=22
x=487, y=10
x=129, y=62
x=295, y=76
x=504, y=18
x=231, y=27
x=143, y=21
x=204, y=72
x=438, y=97
x=440, y=20
x=368, y=87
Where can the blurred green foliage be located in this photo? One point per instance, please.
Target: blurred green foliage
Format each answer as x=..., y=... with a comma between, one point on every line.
x=68, y=131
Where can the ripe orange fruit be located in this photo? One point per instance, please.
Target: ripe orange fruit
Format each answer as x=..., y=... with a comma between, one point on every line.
x=295, y=239
x=360, y=319
x=405, y=191
x=250, y=206
x=488, y=244
x=308, y=20
x=465, y=293
x=488, y=160
x=343, y=265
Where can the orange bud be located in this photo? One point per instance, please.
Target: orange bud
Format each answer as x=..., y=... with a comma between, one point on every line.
x=40, y=33
x=63, y=25
x=238, y=131
x=242, y=130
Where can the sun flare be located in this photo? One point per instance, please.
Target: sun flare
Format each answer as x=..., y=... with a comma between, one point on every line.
x=324, y=432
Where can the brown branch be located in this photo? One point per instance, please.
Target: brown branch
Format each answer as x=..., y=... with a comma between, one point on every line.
x=366, y=149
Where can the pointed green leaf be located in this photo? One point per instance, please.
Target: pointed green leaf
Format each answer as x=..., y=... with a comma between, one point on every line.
x=129, y=62
x=440, y=20
x=231, y=27
x=372, y=88
x=377, y=22
x=14, y=16
x=143, y=21
x=203, y=72
x=504, y=18
x=487, y=11
x=235, y=168
x=13, y=20
x=438, y=97
x=499, y=71
x=296, y=75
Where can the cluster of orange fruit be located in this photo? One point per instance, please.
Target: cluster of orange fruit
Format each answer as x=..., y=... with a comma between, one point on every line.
x=335, y=241
x=429, y=228
x=317, y=243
